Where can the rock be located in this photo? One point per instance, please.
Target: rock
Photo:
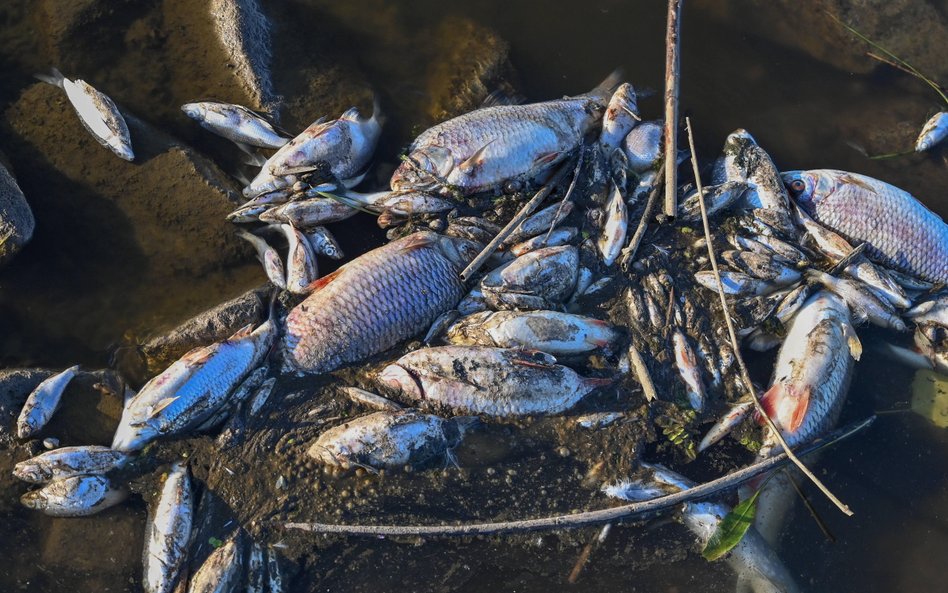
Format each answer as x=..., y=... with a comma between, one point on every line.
x=15, y=387
x=16, y=218
x=244, y=32
x=904, y=27
x=118, y=244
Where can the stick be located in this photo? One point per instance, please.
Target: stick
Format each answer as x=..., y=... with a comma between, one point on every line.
x=569, y=192
x=641, y=371
x=745, y=375
x=587, y=518
x=809, y=507
x=524, y=212
x=672, y=76
x=628, y=252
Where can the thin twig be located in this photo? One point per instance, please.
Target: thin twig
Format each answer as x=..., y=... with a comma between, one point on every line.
x=641, y=372
x=628, y=252
x=745, y=375
x=524, y=212
x=583, y=558
x=588, y=518
x=809, y=507
x=672, y=77
x=569, y=192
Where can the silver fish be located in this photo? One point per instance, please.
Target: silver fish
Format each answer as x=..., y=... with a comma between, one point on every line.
x=268, y=256
x=375, y=301
x=274, y=572
x=301, y=270
x=78, y=496
x=473, y=302
x=221, y=571
x=863, y=302
x=621, y=116
x=560, y=236
x=643, y=146
x=261, y=396
x=256, y=569
x=745, y=160
x=933, y=310
x=735, y=283
x=370, y=400
x=761, y=266
x=308, y=213
x=541, y=279
x=504, y=145
x=598, y=419
x=612, y=239
x=402, y=204
x=97, y=112
x=643, y=187
x=323, y=243
x=726, y=424
x=43, y=402
x=548, y=331
x=898, y=230
x=67, y=462
x=491, y=381
x=933, y=132
x=236, y=123
x=769, y=246
x=717, y=198
x=167, y=532
x=758, y=568
x=688, y=370
x=390, y=439
x=540, y=222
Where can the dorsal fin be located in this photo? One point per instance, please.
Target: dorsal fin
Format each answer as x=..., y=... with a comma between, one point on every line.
x=417, y=241
x=352, y=114
x=241, y=333
x=499, y=97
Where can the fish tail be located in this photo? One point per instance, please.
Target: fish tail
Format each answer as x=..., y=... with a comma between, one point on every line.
x=55, y=77
x=607, y=87
x=377, y=114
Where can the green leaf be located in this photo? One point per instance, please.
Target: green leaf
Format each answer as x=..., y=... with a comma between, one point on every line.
x=732, y=529
x=215, y=542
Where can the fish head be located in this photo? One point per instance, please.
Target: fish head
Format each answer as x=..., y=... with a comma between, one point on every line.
x=35, y=499
x=931, y=339
x=124, y=151
x=130, y=437
x=195, y=111
x=398, y=378
x=423, y=169
x=459, y=252
x=30, y=471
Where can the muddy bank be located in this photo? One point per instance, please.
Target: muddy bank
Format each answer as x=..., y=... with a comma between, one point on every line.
x=16, y=218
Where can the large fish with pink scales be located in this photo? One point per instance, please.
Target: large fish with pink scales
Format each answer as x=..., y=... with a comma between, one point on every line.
x=502, y=147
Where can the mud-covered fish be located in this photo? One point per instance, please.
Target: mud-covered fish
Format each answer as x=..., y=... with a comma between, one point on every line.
x=735, y=283
x=758, y=568
x=221, y=571
x=933, y=310
x=717, y=198
x=66, y=462
x=643, y=146
x=78, y=496
x=43, y=402
x=323, y=242
x=549, y=331
x=688, y=370
x=97, y=112
x=745, y=160
x=301, y=268
x=390, y=439
x=167, y=532
x=540, y=279
x=761, y=266
x=236, y=123
x=539, y=223
x=612, y=239
x=863, y=302
x=492, y=381
x=375, y=301
x=933, y=132
x=620, y=117
x=501, y=146
x=898, y=230
x=268, y=256
x=308, y=213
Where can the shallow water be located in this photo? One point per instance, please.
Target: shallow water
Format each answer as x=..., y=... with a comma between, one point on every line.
x=78, y=289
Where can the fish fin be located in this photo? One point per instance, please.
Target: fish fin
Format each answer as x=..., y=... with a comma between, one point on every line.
x=415, y=242
x=605, y=89
x=254, y=158
x=476, y=160
x=55, y=77
x=775, y=400
x=846, y=178
x=852, y=340
x=321, y=283
x=161, y=405
x=198, y=356
x=498, y=97
x=352, y=114
x=547, y=158
x=377, y=114
x=241, y=333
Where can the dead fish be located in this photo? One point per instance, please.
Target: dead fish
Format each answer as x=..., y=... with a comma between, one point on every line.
x=308, y=213
x=67, y=462
x=371, y=400
x=643, y=146
x=933, y=310
x=390, y=439
x=717, y=198
x=612, y=239
x=560, y=236
x=261, y=396
x=933, y=132
x=301, y=270
x=473, y=302
x=898, y=230
x=43, y=402
x=97, y=112
x=221, y=571
x=323, y=243
x=541, y=279
x=540, y=222
x=78, y=496
x=745, y=160
x=268, y=256
x=772, y=246
x=620, y=117
x=862, y=301
x=505, y=145
x=236, y=123
x=375, y=301
x=168, y=532
x=598, y=419
x=726, y=424
x=643, y=187
x=547, y=331
x=491, y=381
x=735, y=283
x=761, y=266
x=688, y=370
x=402, y=204
x=256, y=569
x=274, y=572
x=757, y=566
x=931, y=339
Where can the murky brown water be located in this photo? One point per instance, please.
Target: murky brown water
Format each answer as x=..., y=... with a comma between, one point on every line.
x=89, y=277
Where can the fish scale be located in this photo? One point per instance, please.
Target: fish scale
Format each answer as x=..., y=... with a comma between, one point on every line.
x=375, y=301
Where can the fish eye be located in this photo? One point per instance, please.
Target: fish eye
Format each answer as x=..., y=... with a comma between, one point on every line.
x=797, y=185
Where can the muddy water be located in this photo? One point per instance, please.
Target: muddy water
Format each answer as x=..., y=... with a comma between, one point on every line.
x=90, y=280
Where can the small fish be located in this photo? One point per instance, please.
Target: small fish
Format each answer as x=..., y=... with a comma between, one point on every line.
x=323, y=243
x=308, y=213
x=540, y=222
x=402, y=204
x=43, y=403
x=168, y=531
x=268, y=256
x=643, y=146
x=375, y=301
x=473, y=302
x=931, y=339
x=274, y=572
x=541, y=279
x=491, y=381
x=256, y=569
x=612, y=239
x=933, y=310
x=898, y=230
x=933, y=132
x=735, y=283
x=598, y=419
x=757, y=566
x=726, y=424
x=97, y=112
x=501, y=146
x=560, y=236
x=371, y=400
x=861, y=300
x=548, y=331
x=688, y=370
x=301, y=270
x=221, y=571
x=236, y=123
x=390, y=439
x=78, y=496
x=772, y=246
x=717, y=198
x=621, y=115
x=745, y=160
x=643, y=187
x=761, y=266
x=261, y=396
x=67, y=462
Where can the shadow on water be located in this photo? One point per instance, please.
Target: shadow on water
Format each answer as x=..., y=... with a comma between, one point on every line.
x=84, y=281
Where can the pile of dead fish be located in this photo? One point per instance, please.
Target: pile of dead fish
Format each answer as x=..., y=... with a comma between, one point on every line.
x=808, y=255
